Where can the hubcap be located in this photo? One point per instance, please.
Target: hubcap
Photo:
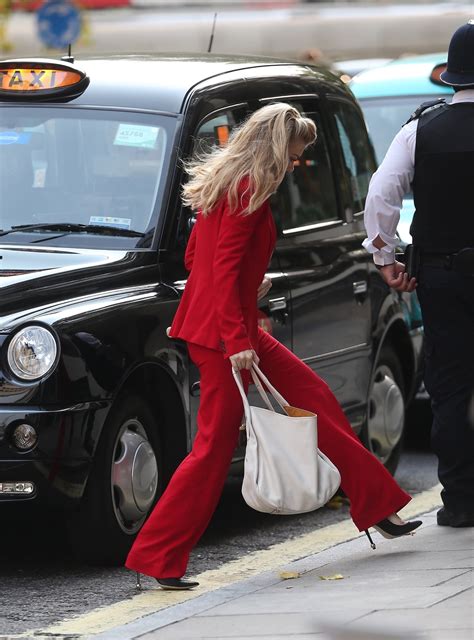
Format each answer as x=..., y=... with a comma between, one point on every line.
x=134, y=476
x=386, y=413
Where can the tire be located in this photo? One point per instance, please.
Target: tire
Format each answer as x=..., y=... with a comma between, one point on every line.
x=384, y=428
x=123, y=486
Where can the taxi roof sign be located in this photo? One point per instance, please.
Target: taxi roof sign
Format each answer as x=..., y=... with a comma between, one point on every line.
x=43, y=79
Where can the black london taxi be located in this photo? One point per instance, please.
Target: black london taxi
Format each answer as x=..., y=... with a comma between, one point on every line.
x=97, y=405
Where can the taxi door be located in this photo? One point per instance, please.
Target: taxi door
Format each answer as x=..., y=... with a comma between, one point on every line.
x=320, y=253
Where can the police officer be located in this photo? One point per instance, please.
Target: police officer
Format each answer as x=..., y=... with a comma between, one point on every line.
x=433, y=155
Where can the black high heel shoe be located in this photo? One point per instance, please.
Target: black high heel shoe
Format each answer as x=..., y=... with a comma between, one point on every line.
x=176, y=584
x=169, y=584
x=390, y=530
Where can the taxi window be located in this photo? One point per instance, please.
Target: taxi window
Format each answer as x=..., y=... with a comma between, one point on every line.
x=356, y=151
x=307, y=196
x=216, y=130
x=80, y=166
x=212, y=132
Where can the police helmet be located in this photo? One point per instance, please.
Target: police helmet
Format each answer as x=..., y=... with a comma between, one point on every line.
x=460, y=69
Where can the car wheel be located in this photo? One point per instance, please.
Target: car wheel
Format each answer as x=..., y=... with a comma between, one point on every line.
x=124, y=484
x=385, y=423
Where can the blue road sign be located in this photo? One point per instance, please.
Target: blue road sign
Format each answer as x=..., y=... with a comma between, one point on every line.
x=59, y=23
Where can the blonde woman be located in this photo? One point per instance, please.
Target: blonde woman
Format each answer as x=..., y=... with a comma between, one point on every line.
x=228, y=253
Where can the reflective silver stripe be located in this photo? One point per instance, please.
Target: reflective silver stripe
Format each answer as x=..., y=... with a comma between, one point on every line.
x=338, y=352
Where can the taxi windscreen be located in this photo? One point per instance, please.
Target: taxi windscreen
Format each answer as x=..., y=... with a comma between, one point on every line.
x=97, y=171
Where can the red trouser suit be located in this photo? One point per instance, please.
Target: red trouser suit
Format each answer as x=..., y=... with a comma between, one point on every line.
x=227, y=255
x=181, y=516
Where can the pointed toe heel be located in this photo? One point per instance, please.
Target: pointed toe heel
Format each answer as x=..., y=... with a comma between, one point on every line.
x=176, y=584
x=390, y=530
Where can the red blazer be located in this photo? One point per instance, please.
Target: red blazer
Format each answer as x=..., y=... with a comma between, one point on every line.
x=228, y=254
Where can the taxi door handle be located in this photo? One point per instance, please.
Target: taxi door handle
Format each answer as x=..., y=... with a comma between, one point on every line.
x=359, y=287
x=277, y=304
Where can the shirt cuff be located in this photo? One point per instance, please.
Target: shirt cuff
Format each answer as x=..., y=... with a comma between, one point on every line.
x=382, y=258
x=385, y=255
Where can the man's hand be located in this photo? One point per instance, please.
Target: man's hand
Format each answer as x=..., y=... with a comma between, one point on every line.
x=264, y=288
x=396, y=278
x=244, y=359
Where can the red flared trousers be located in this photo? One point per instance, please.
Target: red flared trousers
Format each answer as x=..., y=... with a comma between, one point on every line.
x=182, y=514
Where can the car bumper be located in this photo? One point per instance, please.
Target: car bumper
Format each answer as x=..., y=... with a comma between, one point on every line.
x=56, y=469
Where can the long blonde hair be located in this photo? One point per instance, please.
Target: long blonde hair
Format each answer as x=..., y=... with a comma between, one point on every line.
x=257, y=150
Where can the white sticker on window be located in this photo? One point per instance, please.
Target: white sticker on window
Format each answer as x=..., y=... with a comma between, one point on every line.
x=136, y=135
x=109, y=221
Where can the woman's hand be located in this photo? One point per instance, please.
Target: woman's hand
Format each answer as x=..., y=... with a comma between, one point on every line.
x=264, y=288
x=244, y=359
x=395, y=276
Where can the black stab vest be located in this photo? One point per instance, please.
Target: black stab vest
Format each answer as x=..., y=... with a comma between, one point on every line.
x=443, y=184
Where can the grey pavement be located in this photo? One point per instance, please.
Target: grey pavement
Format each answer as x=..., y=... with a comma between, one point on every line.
x=407, y=589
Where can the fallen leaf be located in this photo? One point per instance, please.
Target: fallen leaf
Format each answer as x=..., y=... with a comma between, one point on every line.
x=336, y=576
x=289, y=575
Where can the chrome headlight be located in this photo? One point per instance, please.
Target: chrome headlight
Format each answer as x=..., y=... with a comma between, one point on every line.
x=32, y=352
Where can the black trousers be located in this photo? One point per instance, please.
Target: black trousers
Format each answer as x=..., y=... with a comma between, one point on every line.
x=447, y=305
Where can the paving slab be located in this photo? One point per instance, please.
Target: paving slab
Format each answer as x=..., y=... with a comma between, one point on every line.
x=358, y=579
x=405, y=621
x=464, y=579
x=275, y=625
x=299, y=636
x=402, y=559
x=463, y=600
x=322, y=599
x=454, y=634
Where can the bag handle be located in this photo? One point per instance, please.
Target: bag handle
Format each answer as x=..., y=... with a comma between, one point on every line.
x=238, y=381
x=258, y=376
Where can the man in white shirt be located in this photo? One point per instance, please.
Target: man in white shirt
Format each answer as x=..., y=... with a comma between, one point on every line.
x=433, y=155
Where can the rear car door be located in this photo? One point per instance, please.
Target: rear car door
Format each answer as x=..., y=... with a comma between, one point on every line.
x=320, y=253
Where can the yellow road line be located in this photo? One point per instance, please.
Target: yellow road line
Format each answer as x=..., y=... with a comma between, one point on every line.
x=153, y=600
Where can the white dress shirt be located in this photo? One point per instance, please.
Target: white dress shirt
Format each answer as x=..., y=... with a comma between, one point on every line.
x=389, y=184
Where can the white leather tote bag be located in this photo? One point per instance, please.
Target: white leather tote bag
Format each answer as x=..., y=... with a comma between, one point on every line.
x=284, y=471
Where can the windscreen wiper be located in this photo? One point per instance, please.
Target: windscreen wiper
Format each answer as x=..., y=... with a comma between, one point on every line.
x=74, y=228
